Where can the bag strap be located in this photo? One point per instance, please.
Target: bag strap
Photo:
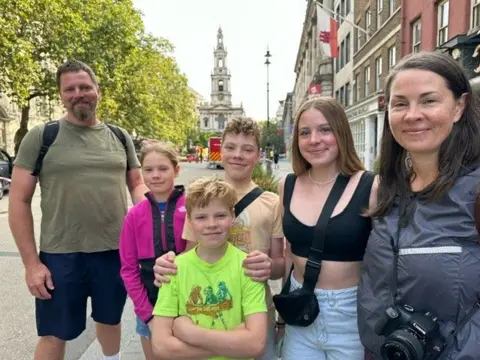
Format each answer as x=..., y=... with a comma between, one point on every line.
x=50, y=133
x=247, y=200
x=121, y=136
x=315, y=255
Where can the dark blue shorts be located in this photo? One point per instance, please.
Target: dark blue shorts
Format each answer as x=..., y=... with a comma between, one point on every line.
x=76, y=277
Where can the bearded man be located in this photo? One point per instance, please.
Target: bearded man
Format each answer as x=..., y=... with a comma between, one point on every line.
x=84, y=168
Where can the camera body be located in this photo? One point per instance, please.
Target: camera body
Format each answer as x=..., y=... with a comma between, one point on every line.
x=410, y=335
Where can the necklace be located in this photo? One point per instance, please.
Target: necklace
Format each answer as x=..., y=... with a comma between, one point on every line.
x=320, y=183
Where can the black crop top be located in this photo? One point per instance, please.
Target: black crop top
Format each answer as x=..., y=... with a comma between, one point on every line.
x=347, y=233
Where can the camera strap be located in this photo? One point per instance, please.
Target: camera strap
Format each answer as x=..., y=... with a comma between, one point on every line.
x=315, y=255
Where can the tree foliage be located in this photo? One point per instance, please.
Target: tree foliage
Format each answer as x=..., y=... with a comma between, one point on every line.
x=142, y=88
x=272, y=136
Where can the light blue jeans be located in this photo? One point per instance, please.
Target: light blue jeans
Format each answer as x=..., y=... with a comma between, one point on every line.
x=334, y=333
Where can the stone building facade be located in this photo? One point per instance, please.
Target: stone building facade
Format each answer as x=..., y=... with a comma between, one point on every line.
x=215, y=115
x=311, y=67
x=376, y=51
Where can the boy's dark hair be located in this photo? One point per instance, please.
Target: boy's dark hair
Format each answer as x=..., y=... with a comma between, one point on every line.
x=74, y=65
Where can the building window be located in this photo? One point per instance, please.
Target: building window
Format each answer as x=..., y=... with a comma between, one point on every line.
x=416, y=35
x=337, y=10
x=443, y=22
x=357, y=43
x=347, y=94
x=342, y=10
x=378, y=73
x=358, y=132
x=337, y=96
x=342, y=55
x=476, y=14
x=348, y=8
x=347, y=48
x=367, y=81
x=368, y=19
x=220, y=85
x=379, y=13
x=356, y=88
x=337, y=60
x=221, y=121
x=342, y=96
x=392, y=56
x=391, y=7
x=220, y=63
x=205, y=122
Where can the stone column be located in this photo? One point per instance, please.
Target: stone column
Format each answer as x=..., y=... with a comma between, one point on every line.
x=369, y=142
x=380, y=121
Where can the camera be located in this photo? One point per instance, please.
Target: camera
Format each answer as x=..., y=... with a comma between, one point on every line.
x=409, y=335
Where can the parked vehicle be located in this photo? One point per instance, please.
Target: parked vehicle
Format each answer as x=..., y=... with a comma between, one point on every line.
x=214, y=154
x=6, y=166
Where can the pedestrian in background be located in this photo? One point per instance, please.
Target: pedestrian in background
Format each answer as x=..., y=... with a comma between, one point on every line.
x=152, y=228
x=83, y=179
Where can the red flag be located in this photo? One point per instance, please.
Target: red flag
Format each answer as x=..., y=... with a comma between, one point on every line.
x=314, y=89
x=327, y=33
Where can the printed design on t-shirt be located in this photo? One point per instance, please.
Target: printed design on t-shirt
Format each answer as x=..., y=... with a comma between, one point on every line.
x=240, y=235
x=210, y=303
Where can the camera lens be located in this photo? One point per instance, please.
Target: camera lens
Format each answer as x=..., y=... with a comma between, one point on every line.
x=402, y=345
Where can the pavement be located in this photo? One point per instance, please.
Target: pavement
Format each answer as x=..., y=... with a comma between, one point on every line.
x=17, y=327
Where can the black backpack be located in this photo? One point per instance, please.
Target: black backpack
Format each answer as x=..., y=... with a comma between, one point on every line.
x=50, y=134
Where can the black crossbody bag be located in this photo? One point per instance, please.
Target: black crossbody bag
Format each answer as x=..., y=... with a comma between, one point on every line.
x=300, y=307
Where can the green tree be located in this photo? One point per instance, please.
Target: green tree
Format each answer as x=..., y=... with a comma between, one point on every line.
x=150, y=96
x=196, y=137
x=272, y=136
x=36, y=36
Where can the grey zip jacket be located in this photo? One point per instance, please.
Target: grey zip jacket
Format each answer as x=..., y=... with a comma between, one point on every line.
x=438, y=268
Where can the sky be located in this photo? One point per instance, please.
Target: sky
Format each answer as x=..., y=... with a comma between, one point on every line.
x=249, y=27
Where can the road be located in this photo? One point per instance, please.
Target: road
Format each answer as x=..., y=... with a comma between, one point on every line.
x=17, y=326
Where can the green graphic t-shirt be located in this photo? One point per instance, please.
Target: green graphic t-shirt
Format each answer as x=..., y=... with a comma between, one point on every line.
x=215, y=296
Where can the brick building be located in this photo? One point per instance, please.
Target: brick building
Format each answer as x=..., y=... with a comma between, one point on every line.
x=449, y=26
x=375, y=52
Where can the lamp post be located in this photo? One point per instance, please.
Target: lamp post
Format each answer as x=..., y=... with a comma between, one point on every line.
x=267, y=62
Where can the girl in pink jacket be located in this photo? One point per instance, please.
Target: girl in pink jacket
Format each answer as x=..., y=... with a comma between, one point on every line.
x=152, y=228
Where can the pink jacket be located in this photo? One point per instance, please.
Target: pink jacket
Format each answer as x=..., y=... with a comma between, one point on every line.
x=139, y=247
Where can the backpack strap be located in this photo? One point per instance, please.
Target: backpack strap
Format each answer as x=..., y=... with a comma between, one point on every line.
x=50, y=133
x=121, y=136
x=247, y=200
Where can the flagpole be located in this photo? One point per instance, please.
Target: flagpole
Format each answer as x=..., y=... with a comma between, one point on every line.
x=341, y=17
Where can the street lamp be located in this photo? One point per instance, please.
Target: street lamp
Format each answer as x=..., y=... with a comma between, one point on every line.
x=267, y=62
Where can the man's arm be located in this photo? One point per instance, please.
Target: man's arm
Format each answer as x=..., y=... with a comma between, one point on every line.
x=135, y=183
x=165, y=346
x=136, y=186
x=20, y=214
x=232, y=343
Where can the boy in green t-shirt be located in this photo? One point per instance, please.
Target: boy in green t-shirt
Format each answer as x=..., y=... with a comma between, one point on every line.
x=211, y=309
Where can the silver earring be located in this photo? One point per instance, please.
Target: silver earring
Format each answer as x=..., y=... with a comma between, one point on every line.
x=408, y=162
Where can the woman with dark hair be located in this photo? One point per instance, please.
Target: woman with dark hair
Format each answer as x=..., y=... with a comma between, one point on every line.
x=329, y=182
x=420, y=290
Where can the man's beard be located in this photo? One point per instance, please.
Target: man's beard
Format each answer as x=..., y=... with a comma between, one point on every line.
x=84, y=113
